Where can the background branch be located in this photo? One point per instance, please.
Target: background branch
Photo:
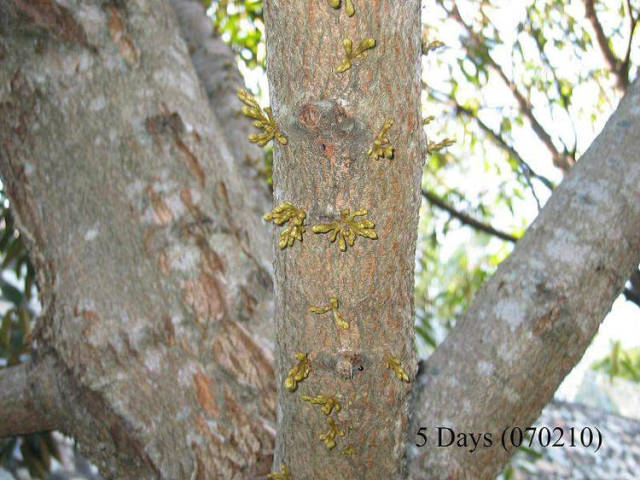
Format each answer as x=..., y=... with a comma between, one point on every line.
x=502, y=142
x=633, y=292
x=28, y=399
x=556, y=81
x=632, y=296
x=633, y=22
x=466, y=219
x=560, y=159
x=216, y=66
x=615, y=65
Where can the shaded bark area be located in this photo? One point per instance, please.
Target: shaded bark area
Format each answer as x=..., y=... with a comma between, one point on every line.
x=331, y=121
x=531, y=323
x=133, y=208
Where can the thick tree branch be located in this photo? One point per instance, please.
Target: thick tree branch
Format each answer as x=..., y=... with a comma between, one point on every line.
x=218, y=73
x=466, y=219
x=217, y=68
x=531, y=322
x=331, y=119
x=133, y=209
x=27, y=395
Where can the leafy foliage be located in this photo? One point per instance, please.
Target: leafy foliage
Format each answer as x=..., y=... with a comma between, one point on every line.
x=524, y=89
x=240, y=24
x=620, y=363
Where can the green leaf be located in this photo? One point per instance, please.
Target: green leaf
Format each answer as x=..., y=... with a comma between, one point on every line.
x=10, y=293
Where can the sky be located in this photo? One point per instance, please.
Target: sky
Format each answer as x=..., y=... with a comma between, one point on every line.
x=623, y=322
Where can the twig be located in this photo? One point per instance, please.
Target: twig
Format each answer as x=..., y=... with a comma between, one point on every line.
x=633, y=294
x=502, y=142
x=466, y=219
x=633, y=22
x=614, y=64
x=545, y=60
x=633, y=297
x=560, y=159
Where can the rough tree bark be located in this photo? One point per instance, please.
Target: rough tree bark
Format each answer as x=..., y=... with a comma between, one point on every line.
x=532, y=321
x=331, y=120
x=215, y=64
x=141, y=218
x=138, y=218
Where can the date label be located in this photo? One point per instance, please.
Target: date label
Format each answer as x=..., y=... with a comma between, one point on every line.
x=511, y=438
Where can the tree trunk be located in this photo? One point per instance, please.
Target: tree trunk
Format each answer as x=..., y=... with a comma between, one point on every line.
x=331, y=120
x=136, y=215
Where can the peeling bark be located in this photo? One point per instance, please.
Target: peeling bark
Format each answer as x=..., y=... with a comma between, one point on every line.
x=331, y=121
x=532, y=321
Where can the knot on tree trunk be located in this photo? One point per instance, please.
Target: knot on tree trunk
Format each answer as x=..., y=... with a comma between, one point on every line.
x=328, y=125
x=326, y=117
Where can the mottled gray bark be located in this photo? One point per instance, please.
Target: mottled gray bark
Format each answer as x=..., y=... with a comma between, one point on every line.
x=215, y=63
x=331, y=120
x=134, y=211
x=217, y=69
x=531, y=323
